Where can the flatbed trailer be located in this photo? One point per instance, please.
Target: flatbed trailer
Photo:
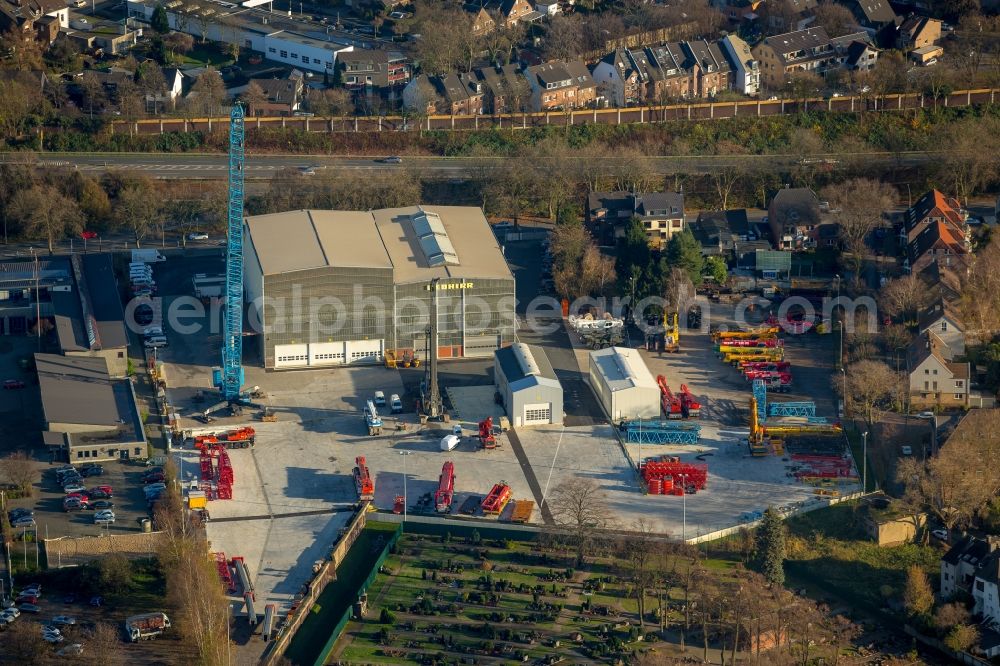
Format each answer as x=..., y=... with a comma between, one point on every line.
x=523, y=510
x=497, y=498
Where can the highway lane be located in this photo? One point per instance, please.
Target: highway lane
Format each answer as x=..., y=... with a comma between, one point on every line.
x=203, y=166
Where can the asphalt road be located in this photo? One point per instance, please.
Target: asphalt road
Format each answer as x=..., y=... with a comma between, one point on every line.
x=203, y=166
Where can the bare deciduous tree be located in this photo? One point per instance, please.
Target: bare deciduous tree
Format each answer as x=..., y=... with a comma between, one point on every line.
x=104, y=646
x=18, y=468
x=871, y=388
x=579, y=506
x=44, y=212
x=962, y=478
x=858, y=205
x=903, y=297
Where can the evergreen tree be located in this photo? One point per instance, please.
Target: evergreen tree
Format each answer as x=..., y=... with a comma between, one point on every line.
x=770, y=547
x=684, y=252
x=918, y=597
x=633, y=260
x=717, y=269
x=159, y=22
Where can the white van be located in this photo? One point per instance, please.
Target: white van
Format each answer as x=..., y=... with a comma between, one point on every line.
x=156, y=342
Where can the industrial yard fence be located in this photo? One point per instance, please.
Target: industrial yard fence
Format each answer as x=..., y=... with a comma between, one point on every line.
x=615, y=116
x=327, y=572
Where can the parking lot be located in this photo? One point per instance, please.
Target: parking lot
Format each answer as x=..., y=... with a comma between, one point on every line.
x=53, y=522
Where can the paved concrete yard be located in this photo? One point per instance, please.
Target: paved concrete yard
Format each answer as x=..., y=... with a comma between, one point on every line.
x=472, y=404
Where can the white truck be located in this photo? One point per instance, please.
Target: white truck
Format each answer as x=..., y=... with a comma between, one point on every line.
x=147, y=256
x=148, y=625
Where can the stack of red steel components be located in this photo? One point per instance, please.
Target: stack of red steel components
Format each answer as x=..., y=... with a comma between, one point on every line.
x=669, y=476
x=216, y=473
x=817, y=468
x=224, y=573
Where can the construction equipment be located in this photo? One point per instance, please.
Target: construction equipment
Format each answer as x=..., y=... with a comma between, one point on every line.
x=430, y=393
x=670, y=476
x=147, y=625
x=390, y=359
x=791, y=408
x=363, y=481
x=497, y=499
x=670, y=404
x=372, y=419
x=780, y=382
x=736, y=357
x=773, y=350
x=445, y=493
x=661, y=432
x=690, y=407
x=759, y=332
x=523, y=509
x=240, y=438
x=671, y=333
x=768, y=366
x=229, y=377
x=268, y=415
x=243, y=574
x=222, y=566
x=752, y=342
x=217, y=476
x=487, y=440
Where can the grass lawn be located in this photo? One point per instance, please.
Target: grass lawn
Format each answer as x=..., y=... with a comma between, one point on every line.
x=828, y=548
x=205, y=54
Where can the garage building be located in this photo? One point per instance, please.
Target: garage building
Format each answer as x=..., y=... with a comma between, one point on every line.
x=90, y=415
x=623, y=384
x=531, y=392
x=345, y=287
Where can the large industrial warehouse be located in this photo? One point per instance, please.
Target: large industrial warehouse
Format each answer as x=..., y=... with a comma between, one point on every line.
x=346, y=287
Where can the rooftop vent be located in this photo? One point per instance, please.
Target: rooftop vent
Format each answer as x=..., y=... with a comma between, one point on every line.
x=525, y=359
x=434, y=240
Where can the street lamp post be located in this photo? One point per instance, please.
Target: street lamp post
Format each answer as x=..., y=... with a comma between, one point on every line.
x=864, y=462
x=684, y=507
x=405, y=454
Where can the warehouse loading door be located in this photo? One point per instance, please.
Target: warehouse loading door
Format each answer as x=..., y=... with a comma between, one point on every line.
x=363, y=351
x=481, y=345
x=326, y=353
x=537, y=414
x=290, y=356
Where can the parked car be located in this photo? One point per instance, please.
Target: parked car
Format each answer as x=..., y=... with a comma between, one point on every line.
x=101, y=504
x=25, y=521
x=10, y=612
x=25, y=598
x=71, y=650
x=379, y=399
x=73, y=487
x=105, y=516
x=63, y=620
x=396, y=403
x=29, y=608
x=925, y=415
x=14, y=514
x=52, y=637
x=392, y=159
x=153, y=478
x=92, y=470
x=197, y=235
x=107, y=491
x=13, y=384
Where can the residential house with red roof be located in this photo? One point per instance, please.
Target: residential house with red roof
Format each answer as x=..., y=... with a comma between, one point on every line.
x=934, y=228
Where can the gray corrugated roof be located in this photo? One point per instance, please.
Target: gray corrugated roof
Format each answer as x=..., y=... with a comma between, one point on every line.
x=383, y=238
x=623, y=368
x=78, y=390
x=104, y=298
x=512, y=369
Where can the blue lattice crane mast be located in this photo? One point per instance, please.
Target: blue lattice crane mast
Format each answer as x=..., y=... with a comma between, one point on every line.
x=232, y=323
x=229, y=377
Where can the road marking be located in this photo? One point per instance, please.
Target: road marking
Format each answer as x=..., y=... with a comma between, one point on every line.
x=545, y=491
